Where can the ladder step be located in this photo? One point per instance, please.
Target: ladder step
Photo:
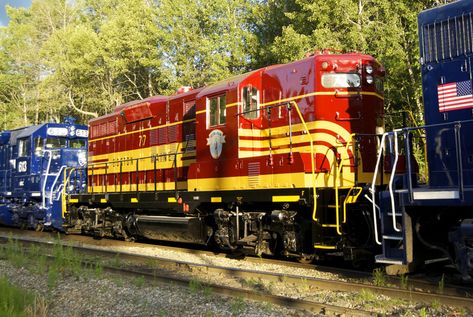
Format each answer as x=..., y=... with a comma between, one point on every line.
x=401, y=191
x=325, y=247
x=398, y=214
x=385, y=260
x=389, y=237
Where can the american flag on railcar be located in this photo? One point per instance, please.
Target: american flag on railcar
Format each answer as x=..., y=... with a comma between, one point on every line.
x=455, y=96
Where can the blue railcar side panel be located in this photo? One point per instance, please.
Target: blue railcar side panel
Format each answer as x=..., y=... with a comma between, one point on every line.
x=446, y=46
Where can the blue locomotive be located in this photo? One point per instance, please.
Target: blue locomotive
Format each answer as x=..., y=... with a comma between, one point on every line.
x=426, y=212
x=38, y=165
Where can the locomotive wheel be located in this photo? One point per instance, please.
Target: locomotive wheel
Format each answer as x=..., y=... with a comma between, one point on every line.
x=306, y=258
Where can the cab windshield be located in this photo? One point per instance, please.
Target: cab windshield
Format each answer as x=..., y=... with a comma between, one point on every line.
x=77, y=144
x=55, y=143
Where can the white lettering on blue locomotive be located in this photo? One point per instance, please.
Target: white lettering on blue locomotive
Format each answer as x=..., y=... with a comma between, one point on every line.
x=57, y=131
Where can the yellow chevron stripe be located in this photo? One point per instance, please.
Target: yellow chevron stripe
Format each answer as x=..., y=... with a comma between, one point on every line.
x=284, y=130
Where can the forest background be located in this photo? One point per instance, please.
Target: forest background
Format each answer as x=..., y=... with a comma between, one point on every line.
x=81, y=58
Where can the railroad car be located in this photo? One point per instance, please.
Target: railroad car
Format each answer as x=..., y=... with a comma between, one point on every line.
x=430, y=219
x=34, y=161
x=275, y=161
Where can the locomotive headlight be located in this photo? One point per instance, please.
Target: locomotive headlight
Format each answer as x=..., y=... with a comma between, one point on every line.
x=369, y=69
x=369, y=79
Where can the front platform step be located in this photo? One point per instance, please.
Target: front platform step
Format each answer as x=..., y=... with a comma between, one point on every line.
x=429, y=194
x=393, y=237
x=382, y=259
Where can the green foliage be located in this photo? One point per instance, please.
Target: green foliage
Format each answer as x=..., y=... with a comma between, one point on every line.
x=14, y=302
x=14, y=252
x=83, y=58
x=404, y=281
x=385, y=29
x=423, y=312
x=194, y=286
x=379, y=277
x=441, y=284
x=139, y=281
x=237, y=306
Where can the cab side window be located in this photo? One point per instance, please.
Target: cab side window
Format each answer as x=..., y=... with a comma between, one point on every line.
x=24, y=147
x=217, y=110
x=250, y=100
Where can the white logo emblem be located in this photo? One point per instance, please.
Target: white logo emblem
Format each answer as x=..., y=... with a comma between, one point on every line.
x=82, y=158
x=215, y=141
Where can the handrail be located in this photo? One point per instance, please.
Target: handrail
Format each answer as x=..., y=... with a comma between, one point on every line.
x=136, y=170
x=457, y=131
x=391, y=180
x=373, y=187
x=66, y=180
x=51, y=191
x=337, y=203
x=312, y=160
x=45, y=180
x=353, y=200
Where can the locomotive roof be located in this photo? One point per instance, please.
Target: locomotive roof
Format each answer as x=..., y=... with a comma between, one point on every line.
x=224, y=84
x=24, y=132
x=151, y=99
x=443, y=12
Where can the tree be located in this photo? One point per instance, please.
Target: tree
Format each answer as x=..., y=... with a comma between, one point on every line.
x=204, y=41
x=383, y=28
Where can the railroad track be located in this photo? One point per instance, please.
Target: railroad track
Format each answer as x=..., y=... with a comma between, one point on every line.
x=176, y=271
x=423, y=284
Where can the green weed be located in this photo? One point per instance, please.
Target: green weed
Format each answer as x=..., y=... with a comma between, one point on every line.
x=366, y=296
x=208, y=291
x=423, y=312
x=237, y=306
x=139, y=281
x=98, y=269
x=404, y=281
x=436, y=305
x=14, y=301
x=442, y=284
x=53, y=276
x=379, y=277
x=194, y=286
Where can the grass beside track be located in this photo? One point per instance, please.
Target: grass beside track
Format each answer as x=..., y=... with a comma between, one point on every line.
x=17, y=302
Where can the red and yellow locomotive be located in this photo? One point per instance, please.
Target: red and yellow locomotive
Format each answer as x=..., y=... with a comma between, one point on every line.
x=274, y=160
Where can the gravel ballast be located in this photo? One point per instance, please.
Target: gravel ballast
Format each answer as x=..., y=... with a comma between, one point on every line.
x=109, y=295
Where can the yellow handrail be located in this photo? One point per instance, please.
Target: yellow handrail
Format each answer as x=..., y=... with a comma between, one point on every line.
x=353, y=199
x=312, y=160
x=338, y=172
x=63, y=195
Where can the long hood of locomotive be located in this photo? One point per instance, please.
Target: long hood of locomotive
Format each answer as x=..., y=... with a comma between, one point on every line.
x=168, y=143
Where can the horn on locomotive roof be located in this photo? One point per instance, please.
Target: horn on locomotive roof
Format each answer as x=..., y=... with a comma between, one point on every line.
x=183, y=89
